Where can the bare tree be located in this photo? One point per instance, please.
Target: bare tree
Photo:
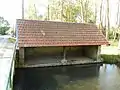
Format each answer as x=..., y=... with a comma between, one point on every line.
x=48, y=13
x=118, y=23
x=85, y=10
x=22, y=9
x=62, y=2
x=118, y=14
x=108, y=21
x=95, y=11
x=101, y=7
x=82, y=10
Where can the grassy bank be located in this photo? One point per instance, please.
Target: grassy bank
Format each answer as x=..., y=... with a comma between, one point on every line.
x=110, y=54
x=110, y=59
x=11, y=40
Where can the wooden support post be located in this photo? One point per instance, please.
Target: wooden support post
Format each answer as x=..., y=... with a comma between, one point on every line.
x=64, y=55
x=98, y=53
x=21, y=56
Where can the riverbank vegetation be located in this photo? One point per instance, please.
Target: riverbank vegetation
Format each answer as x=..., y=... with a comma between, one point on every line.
x=110, y=59
x=4, y=26
x=110, y=54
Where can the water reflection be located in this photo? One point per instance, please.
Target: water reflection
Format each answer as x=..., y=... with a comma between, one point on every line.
x=106, y=77
x=109, y=77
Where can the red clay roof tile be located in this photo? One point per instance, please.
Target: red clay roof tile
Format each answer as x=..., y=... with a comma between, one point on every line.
x=34, y=33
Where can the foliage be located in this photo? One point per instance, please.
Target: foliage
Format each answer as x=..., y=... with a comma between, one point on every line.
x=115, y=34
x=4, y=26
x=69, y=11
x=64, y=10
x=11, y=31
x=111, y=34
x=113, y=43
x=111, y=59
x=11, y=40
x=32, y=12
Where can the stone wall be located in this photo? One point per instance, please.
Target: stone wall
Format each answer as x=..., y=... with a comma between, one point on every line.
x=57, y=52
x=52, y=51
x=44, y=52
x=92, y=52
x=74, y=52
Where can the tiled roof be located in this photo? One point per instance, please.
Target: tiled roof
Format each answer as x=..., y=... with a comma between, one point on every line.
x=34, y=33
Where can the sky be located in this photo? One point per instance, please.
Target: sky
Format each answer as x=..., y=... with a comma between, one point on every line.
x=11, y=9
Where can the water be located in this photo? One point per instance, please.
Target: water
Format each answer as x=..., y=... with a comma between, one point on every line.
x=106, y=77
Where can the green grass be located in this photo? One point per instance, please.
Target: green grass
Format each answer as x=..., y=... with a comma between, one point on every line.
x=11, y=40
x=110, y=54
x=110, y=59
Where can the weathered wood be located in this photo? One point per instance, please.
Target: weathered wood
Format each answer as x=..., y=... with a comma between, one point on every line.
x=21, y=56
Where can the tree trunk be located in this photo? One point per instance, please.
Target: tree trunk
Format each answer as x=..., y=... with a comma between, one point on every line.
x=48, y=13
x=22, y=9
x=95, y=12
x=86, y=3
x=118, y=14
x=101, y=11
x=69, y=11
x=105, y=29
x=82, y=10
x=114, y=37
x=101, y=6
x=108, y=19
x=118, y=22
x=61, y=10
x=119, y=43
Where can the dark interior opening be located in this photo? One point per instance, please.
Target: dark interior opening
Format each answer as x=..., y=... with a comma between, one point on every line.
x=57, y=53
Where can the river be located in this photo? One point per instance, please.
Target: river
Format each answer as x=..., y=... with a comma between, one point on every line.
x=94, y=77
